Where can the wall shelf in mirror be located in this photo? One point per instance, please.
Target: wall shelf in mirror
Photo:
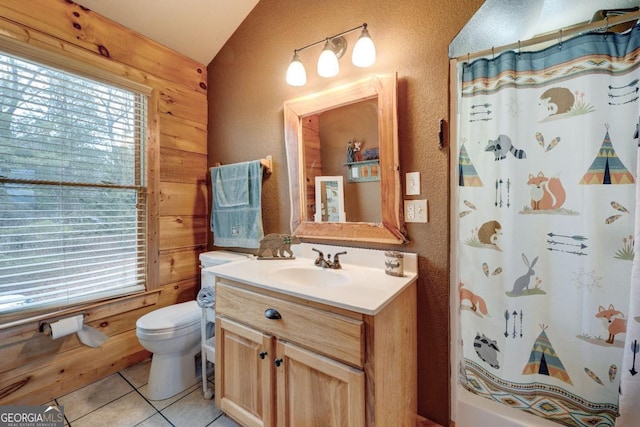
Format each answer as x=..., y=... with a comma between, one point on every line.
x=300, y=117
x=363, y=171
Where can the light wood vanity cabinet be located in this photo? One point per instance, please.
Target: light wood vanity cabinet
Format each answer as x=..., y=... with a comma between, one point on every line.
x=315, y=365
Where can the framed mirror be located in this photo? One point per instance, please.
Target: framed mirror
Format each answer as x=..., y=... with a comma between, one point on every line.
x=299, y=117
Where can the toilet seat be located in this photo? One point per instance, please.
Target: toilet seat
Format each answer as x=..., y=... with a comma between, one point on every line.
x=171, y=321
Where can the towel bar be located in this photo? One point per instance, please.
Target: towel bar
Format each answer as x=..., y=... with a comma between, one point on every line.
x=267, y=164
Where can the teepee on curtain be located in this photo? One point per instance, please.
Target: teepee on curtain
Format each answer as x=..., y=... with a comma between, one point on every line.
x=546, y=204
x=607, y=167
x=544, y=360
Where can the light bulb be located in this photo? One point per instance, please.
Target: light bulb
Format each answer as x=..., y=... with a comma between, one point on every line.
x=364, y=52
x=328, y=62
x=296, y=74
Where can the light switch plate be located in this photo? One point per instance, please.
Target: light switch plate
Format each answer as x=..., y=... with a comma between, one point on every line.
x=412, y=181
x=415, y=211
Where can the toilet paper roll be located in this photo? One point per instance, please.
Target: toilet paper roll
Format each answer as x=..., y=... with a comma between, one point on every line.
x=75, y=325
x=63, y=327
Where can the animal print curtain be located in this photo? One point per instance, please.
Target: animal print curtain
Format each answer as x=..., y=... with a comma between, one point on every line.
x=546, y=201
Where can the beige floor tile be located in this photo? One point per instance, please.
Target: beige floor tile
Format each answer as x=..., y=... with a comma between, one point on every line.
x=161, y=404
x=138, y=374
x=155, y=421
x=127, y=411
x=84, y=400
x=192, y=410
x=224, y=421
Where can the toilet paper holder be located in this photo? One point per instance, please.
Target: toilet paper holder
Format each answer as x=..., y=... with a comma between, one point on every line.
x=57, y=328
x=74, y=325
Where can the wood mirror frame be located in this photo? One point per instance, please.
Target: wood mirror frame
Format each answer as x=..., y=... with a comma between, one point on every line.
x=392, y=228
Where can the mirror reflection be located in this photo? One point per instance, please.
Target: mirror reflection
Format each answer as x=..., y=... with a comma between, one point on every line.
x=343, y=142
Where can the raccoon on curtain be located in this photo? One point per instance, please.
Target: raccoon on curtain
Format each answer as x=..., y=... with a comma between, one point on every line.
x=546, y=203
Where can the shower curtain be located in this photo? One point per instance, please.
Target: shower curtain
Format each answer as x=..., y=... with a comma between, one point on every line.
x=546, y=199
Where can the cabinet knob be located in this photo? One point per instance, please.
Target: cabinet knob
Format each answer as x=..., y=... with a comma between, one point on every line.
x=272, y=313
x=278, y=362
x=263, y=354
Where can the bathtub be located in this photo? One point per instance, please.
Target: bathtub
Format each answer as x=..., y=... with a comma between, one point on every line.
x=470, y=410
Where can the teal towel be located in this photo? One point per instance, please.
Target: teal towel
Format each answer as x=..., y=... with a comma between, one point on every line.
x=231, y=187
x=236, y=213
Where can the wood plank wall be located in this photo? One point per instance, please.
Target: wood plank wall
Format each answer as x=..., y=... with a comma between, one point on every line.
x=33, y=368
x=312, y=160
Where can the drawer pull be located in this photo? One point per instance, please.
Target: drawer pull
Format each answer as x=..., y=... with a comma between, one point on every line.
x=278, y=362
x=272, y=313
x=263, y=354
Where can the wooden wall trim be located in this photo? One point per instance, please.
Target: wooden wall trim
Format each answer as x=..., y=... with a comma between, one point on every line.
x=153, y=192
x=117, y=305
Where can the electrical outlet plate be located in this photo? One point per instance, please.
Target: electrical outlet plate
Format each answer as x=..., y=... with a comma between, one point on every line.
x=412, y=180
x=415, y=211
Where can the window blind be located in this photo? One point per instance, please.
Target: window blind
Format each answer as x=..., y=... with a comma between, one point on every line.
x=72, y=188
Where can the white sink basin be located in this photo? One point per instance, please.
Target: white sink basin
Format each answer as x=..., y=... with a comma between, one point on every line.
x=309, y=276
x=361, y=285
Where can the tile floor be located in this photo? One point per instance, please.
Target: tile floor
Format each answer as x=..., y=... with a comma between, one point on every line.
x=119, y=400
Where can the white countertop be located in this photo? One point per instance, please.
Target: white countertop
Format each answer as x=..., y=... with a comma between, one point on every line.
x=367, y=289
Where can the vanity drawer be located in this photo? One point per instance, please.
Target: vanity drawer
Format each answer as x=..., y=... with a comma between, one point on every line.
x=331, y=334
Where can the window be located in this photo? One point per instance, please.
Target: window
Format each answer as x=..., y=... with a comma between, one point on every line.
x=72, y=188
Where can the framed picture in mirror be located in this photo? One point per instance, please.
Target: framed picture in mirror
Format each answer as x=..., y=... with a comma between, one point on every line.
x=329, y=199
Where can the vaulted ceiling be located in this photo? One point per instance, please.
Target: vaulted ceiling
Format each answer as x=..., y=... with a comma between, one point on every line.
x=199, y=28
x=196, y=28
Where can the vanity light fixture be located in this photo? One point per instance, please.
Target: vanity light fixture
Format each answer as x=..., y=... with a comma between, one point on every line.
x=296, y=74
x=328, y=65
x=364, y=55
x=364, y=52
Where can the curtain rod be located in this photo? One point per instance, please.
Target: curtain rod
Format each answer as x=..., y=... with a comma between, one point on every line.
x=563, y=33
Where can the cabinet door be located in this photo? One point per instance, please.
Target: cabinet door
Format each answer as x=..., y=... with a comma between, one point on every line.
x=244, y=376
x=314, y=390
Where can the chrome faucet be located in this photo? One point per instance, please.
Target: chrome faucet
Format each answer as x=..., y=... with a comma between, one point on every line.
x=320, y=261
x=327, y=263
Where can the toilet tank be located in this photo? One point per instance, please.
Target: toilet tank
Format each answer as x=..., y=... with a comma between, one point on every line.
x=213, y=258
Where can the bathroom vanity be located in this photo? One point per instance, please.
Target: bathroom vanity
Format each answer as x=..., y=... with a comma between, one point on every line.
x=297, y=344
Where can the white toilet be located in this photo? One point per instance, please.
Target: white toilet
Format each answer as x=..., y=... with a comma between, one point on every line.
x=173, y=335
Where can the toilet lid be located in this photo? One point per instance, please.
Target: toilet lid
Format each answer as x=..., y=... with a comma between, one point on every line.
x=172, y=317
